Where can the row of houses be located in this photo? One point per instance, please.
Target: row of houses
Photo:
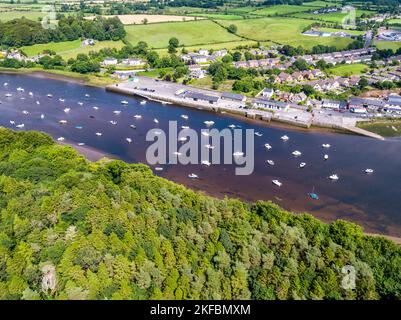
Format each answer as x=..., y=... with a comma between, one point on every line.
x=298, y=76
x=362, y=105
x=129, y=62
x=349, y=56
x=202, y=56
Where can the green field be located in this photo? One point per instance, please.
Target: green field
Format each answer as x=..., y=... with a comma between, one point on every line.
x=70, y=49
x=218, y=16
x=347, y=70
x=188, y=33
x=282, y=9
x=352, y=32
x=283, y=31
x=387, y=45
x=10, y=15
x=336, y=17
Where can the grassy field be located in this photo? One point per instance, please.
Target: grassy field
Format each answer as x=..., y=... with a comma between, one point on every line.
x=70, y=49
x=353, y=32
x=386, y=128
x=284, y=31
x=218, y=16
x=282, y=9
x=31, y=15
x=336, y=17
x=347, y=70
x=188, y=33
x=387, y=45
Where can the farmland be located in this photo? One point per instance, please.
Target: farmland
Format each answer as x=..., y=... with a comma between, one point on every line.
x=336, y=17
x=387, y=45
x=281, y=9
x=128, y=19
x=283, y=31
x=70, y=49
x=188, y=33
x=218, y=16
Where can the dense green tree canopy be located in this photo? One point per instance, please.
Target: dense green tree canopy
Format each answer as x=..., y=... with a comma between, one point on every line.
x=72, y=229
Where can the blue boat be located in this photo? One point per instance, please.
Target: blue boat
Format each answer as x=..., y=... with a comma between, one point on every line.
x=313, y=195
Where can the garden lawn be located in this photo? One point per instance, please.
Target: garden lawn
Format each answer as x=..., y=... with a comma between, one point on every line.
x=346, y=70
x=188, y=33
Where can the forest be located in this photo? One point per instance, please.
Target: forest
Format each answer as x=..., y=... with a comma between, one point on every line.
x=74, y=229
x=25, y=32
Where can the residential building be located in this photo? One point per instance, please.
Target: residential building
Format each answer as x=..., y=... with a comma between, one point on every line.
x=110, y=62
x=271, y=104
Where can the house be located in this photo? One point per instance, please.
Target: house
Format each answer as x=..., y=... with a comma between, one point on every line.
x=186, y=58
x=110, y=62
x=132, y=62
x=297, y=76
x=203, y=52
x=201, y=97
x=299, y=97
x=285, y=77
x=220, y=53
x=317, y=73
x=233, y=97
x=333, y=104
x=308, y=74
x=200, y=58
x=15, y=54
x=123, y=74
x=241, y=64
x=88, y=42
x=373, y=104
x=271, y=104
x=267, y=93
x=253, y=64
x=197, y=73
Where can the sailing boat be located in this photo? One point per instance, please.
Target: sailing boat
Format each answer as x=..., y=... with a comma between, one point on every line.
x=313, y=195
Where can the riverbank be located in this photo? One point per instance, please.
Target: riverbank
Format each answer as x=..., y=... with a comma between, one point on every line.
x=89, y=80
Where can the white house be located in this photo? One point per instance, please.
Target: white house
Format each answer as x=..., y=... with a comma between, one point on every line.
x=132, y=62
x=270, y=104
x=110, y=62
x=88, y=42
x=203, y=52
x=267, y=93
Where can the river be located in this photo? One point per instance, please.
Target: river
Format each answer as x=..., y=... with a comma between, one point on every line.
x=374, y=200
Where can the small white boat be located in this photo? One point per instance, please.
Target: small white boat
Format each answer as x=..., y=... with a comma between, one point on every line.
x=326, y=145
x=143, y=102
x=334, y=177
x=5, y=84
x=20, y=89
x=268, y=146
x=31, y=93
x=271, y=162
x=113, y=122
x=297, y=153
x=87, y=95
x=117, y=112
x=184, y=127
x=129, y=140
x=20, y=125
x=81, y=143
x=25, y=112
x=155, y=120
x=124, y=102
x=99, y=134
x=209, y=146
x=132, y=126
x=232, y=126
x=61, y=99
x=277, y=183
x=137, y=116
x=80, y=103
x=22, y=98
x=60, y=139
x=95, y=108
x=326, y=156
x=258, y=134
x=37, y=102
x=206, y=134
x=369, y=171
x=302, y=164
x=42, y=116
x=238, y=154
x=8, y=95
x=184, y=116
x=208, y=122
x=12, y=122
x=206, y=163
x=158, y=168
x=193, y=176
x=62, y=121
x=66, y=110
x=49, y=95
x=284, y=138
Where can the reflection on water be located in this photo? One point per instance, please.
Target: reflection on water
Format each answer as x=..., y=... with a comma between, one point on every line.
x=373, y=200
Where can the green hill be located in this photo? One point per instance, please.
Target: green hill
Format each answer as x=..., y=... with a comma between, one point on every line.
x=114, y=230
